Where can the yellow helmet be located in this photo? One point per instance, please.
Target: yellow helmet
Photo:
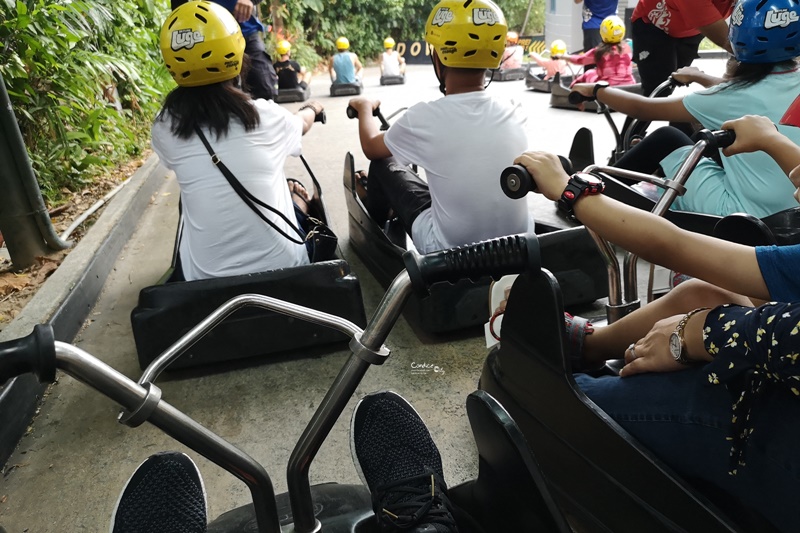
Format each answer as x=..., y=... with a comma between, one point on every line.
x=388, y=43
x=558, y=48
x=201, y=44
x=612, y=29
x=342, y=43
x=512, y=37
x=283, y=47
x=467, y=34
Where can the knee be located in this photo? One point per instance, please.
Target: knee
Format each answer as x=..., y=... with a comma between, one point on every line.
x=695, y=293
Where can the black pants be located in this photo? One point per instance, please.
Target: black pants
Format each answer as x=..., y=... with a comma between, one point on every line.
x=658, y=55
x=646, y=156
x=395, y=187
x=262, y=81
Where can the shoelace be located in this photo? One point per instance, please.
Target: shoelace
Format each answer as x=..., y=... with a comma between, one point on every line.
x=416, y=500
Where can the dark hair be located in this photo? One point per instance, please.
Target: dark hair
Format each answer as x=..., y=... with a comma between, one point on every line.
x=742, y=75
x=603, y=48
x=211, y=106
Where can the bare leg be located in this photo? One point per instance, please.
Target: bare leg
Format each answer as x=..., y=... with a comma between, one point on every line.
x=611, y=341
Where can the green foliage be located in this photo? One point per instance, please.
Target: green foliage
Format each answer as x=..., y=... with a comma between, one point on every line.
x=58, y=58
x=366, y=23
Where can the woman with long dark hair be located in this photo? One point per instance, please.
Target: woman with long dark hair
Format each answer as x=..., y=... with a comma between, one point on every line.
x=203, y=47
x=762, y=79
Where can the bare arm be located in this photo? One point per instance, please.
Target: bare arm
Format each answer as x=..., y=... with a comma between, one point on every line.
x=357, y=64
x=722, y=263
x=368, y=132
x=331, y=71
x=670, y=109
x=717, y=32
x=308, y=113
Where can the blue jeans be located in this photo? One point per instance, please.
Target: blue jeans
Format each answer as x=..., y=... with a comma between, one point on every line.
x=684, y=421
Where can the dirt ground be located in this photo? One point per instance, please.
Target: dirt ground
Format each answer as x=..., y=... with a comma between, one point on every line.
x=17, y=288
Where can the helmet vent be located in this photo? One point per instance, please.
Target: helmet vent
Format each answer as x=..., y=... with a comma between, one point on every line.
x=450, y=43
x=495, y=54
x=185, y=74
x=172, y=23
x=760, y=4
x=497, y=37
x=230, y=55
x=467, y=3
x=180, y=59
x=791, y=35
x=470, y=53
x=212, y=69
x=201, y=18
x=474, y=37
x=206, y=55
x=762, y=39
x=201, y=6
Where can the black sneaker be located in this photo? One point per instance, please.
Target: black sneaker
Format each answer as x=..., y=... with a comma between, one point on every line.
x=164, y=495
x=399, y=462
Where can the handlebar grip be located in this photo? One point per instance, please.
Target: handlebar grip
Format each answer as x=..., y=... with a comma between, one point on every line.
x=352, y=113
x=716, y=139
x=321, y=117
x=576, y=98
x=516, y=182
x=35, y=353
x=496, y=258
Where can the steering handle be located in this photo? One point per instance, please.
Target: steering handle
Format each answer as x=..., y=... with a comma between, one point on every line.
x=516, y=182
x=716, y=139
x=352, y=113
x=35, y=353
x=496, y=258
x=321, y=117
x=576, y=98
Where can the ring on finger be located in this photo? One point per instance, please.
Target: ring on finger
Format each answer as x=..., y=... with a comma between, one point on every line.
x=633, y=353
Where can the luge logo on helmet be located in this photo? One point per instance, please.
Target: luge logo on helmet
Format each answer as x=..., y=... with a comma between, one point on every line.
x=186, y=39
x=780, y=18
x=737, y=17
x=482, y=15
x=442, y=17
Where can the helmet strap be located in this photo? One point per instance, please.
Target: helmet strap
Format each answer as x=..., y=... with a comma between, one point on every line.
x=439, y=72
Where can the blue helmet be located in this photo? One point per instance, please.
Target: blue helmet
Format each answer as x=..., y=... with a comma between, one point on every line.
x=765, y=31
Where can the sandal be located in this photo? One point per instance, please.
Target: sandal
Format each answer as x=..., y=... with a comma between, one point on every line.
x=576, y=328
x=301, y=200
x=361, y=184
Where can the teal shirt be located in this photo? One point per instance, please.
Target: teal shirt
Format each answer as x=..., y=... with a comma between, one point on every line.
x=750, y=183
x=344, y=68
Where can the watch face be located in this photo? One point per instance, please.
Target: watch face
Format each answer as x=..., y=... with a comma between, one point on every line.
x=675, y=345
x=588, y=178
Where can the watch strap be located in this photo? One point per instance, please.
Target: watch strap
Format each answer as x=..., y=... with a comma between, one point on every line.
x=679, y=330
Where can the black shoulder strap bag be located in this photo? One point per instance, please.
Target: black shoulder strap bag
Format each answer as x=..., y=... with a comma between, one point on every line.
x=319, y=239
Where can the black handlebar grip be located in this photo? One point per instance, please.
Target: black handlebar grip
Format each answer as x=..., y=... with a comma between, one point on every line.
x=576, y=98
x=351, y=112
x=321, y=117
x=35, y=354
x=496, y=258
x=516, y=182
x=716, y=139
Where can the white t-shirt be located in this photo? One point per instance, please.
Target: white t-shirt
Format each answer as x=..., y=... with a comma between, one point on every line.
x=463, y=141
x=222, y=236
x=391, y=63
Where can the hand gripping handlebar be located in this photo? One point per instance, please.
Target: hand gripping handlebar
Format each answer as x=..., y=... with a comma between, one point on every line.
x=352, y=113
x=35, y=353
x=496, y=258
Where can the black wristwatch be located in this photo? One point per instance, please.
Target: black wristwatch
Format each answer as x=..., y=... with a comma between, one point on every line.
x=597, y=86
x=580, y=184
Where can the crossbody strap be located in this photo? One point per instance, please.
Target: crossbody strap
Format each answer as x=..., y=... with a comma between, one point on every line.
x=248, y=197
